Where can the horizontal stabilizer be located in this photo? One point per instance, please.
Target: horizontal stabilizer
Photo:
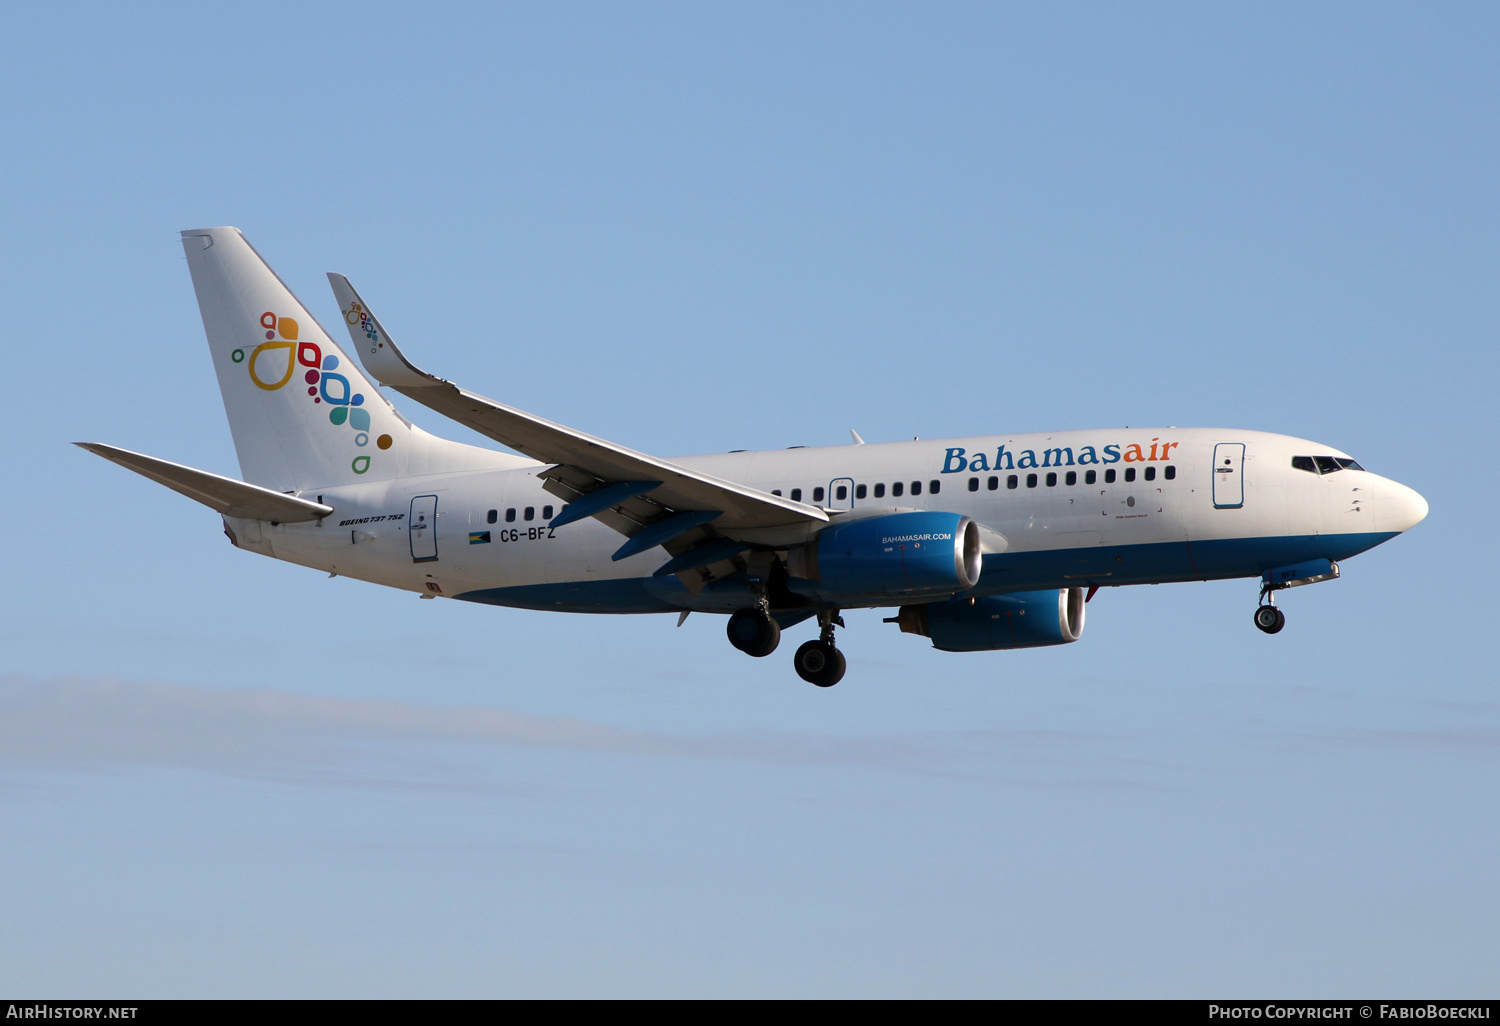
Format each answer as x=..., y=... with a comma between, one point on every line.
x=223, y=494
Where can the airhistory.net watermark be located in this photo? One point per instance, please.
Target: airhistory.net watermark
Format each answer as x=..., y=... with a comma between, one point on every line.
x=43, y=1010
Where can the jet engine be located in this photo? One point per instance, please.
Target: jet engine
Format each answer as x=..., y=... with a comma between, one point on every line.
x=1024, y=619
x=899, y=555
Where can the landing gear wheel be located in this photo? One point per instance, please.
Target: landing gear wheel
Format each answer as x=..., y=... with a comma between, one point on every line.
x=1270, y=619
x=754, y=633
x=818, y=662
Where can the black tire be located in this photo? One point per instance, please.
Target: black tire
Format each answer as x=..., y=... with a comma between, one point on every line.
x=1270, y=619
x=753, y=633
x=820, y=663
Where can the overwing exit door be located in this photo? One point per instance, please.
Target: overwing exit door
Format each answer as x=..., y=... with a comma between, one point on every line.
x=841, y=493
x=1229, y=475
x=421, y=528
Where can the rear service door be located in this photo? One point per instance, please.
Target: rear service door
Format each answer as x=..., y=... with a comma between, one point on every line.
x=421, y=528
x=1229, y=475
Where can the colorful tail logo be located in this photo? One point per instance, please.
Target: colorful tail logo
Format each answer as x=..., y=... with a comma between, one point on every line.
x=274, y=361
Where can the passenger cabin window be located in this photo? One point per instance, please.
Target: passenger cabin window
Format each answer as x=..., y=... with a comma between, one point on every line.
x=973, y=484
x=1030, y=480
x=992, y=484
x=880, y=491
x=1109, y=476
x=898, y=489
x=796, y=494
x=775, y=491
x=492, y=516
x=1150, y=473
x=1130, y=473
x=1170, y=474
x=530, y=513
x=841, y=493
x=933, y=487
x=1012, y=481
x=1071, y=477
x=817, y=494
x=510, y=515
x=916, y=487
x=1089, y=477
x=546, y=512
x=859, y=491
x=1051, y=479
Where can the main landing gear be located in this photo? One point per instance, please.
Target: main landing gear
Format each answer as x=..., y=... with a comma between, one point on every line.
x=756, y=633
x=1267, y=617
x=820, y=662
x=753, y=632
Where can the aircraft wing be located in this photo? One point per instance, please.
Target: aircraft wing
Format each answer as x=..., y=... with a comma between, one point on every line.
x=584, y=464
x=224, y=494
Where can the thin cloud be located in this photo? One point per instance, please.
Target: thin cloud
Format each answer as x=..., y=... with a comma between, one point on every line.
x=1477, y=738
x=85, y=719
x=90, y=721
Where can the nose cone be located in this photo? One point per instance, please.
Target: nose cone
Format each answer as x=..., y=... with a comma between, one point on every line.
x=1398, y=508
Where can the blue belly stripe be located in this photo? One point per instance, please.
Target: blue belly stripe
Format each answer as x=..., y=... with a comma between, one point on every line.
x=1105, y=565
x=1164, y=562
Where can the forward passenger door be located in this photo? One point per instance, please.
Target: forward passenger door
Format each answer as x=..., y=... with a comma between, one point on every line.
x=1229, y=474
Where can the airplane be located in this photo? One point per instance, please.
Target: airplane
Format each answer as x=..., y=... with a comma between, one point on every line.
x=979, y=544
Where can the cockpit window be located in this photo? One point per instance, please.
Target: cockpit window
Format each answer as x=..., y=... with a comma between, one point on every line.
x=1324, y=464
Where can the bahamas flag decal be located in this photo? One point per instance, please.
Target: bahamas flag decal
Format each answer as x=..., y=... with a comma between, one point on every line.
x=479, y=537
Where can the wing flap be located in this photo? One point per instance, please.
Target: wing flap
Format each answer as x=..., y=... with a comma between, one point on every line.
x=223, y=494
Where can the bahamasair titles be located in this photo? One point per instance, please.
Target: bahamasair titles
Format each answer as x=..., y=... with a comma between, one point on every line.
x=975, y=543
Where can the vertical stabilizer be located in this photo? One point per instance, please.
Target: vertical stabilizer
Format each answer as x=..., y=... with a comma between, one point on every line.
x=302, y=413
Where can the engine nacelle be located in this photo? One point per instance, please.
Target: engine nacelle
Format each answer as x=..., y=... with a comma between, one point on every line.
x=1025, y=619
x=900, y=555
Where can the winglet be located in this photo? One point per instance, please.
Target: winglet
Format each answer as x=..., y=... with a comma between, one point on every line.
x=855, y=435
x=673, y=486
x=386, y=363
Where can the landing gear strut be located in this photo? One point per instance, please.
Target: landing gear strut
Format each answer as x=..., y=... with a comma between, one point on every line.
x=1267, y=617
x=819, y=662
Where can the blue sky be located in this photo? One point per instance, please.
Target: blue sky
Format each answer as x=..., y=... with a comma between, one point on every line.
x=693, y=229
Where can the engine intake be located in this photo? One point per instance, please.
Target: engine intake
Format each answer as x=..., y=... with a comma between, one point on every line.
x=1024, y=619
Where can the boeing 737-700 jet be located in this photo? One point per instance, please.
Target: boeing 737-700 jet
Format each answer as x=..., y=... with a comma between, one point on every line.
x=982, y=543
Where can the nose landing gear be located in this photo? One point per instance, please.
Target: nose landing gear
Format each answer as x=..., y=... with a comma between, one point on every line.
x=1310, y=571
x=819, y=662
x=1267, y=617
